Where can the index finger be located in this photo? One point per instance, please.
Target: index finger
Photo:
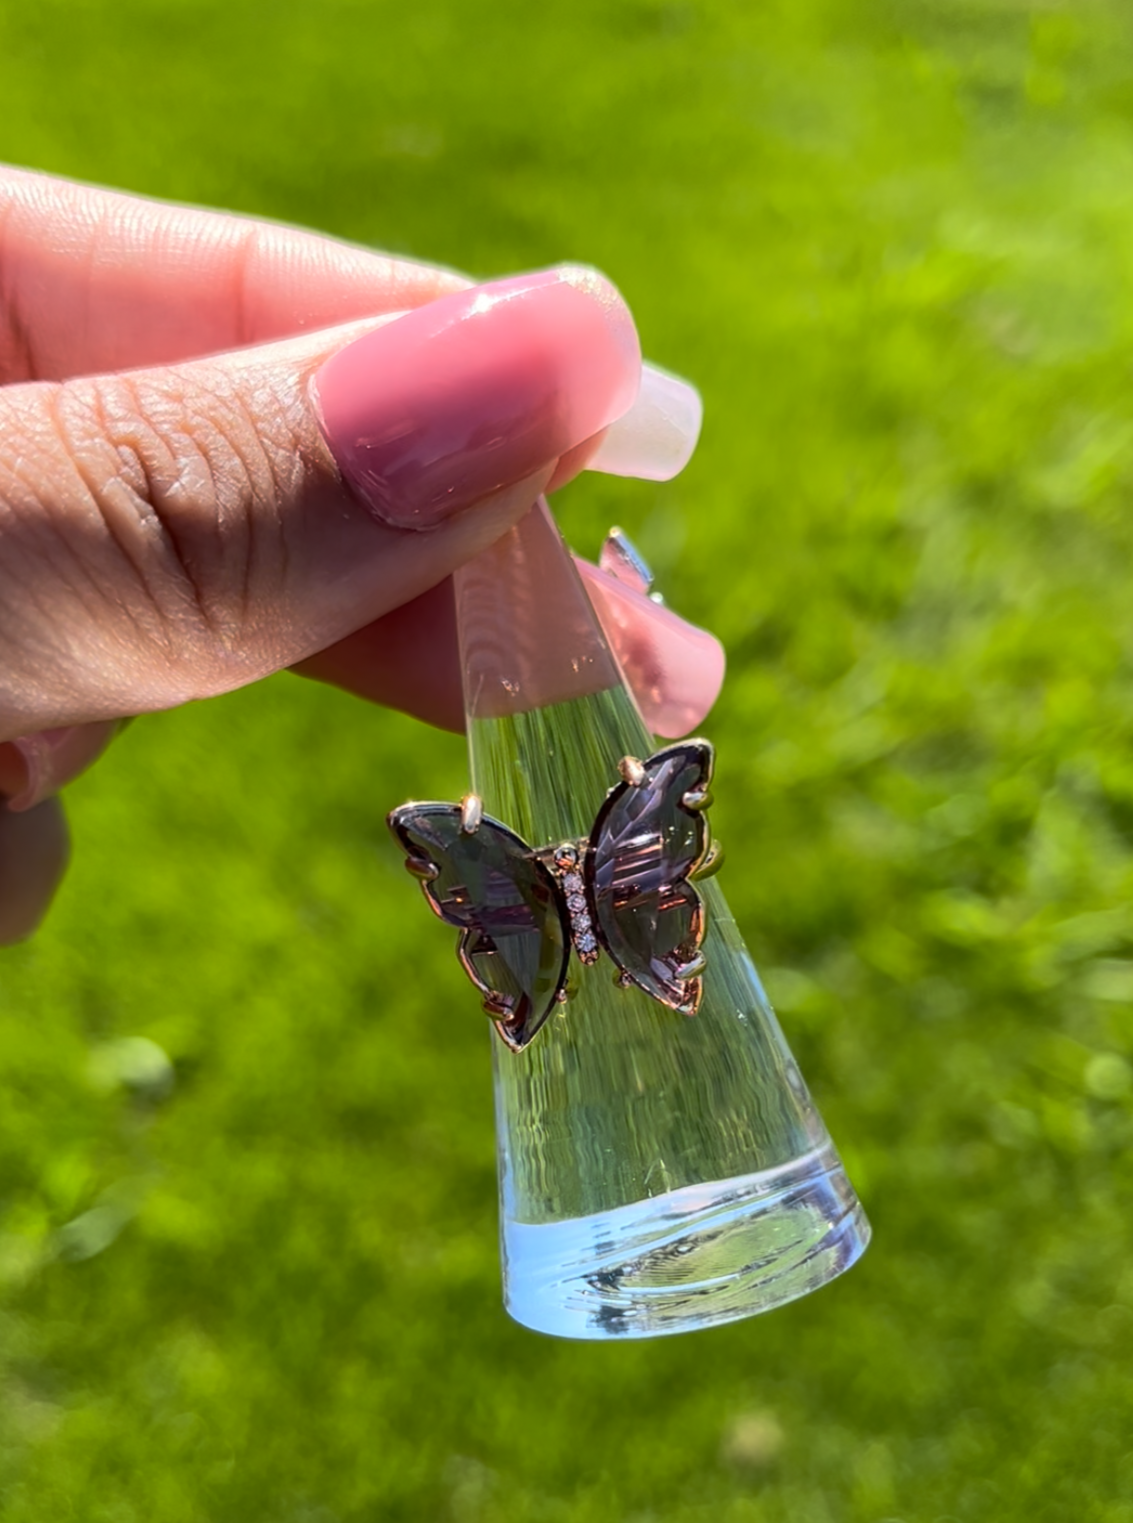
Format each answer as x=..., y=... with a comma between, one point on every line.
x=93, y=280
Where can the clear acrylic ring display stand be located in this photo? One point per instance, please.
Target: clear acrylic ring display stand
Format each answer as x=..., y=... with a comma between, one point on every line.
x=658, y=1173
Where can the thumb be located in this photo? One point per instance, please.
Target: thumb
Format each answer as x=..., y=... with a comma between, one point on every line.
x=172, y=533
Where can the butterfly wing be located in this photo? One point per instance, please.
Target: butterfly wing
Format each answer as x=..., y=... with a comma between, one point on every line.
x=650, y=835
x=515, y=925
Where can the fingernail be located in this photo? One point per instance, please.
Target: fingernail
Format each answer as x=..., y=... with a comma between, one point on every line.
x=51, y=758
x=675, y=669
x=476, y=391
x=656, y=438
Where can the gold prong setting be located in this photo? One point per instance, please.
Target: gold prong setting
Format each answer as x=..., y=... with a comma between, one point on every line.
x=697, y=799
x=471, y=813
x=713, y=862
x=632, y=771
x=691, y=969
x=424, y=872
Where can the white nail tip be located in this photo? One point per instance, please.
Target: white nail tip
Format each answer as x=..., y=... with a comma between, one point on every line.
x=656, y=438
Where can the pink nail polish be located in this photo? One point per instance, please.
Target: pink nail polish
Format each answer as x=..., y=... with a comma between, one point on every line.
x=675, y=669
x=475, y=391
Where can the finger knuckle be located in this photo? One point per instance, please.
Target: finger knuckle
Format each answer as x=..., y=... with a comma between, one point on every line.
x=146, y=513
x=187, y=484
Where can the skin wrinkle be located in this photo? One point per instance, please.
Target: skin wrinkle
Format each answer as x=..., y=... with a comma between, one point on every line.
x=10, y=612
x=54, y=654
x=52, y=516
x=265, y=472
x=278, y=481
x=243, y=473
x=300, y=455
x=214, y=547
x=266, y=527
x=232, y=477
x=160, y=628
x=133, y=496
x=210, y=456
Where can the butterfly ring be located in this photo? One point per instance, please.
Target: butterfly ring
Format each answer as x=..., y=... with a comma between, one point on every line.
x=625, y=888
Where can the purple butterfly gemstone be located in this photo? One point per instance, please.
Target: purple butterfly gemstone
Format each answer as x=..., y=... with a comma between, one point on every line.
x=625, y=888
x=650, y=835
x=516, y=933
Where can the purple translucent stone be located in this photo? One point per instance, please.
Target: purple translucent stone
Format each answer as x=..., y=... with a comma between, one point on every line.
x=516, y=939
x=644, y=844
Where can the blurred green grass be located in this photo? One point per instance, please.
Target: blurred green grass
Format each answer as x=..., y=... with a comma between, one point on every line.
x=893, y=243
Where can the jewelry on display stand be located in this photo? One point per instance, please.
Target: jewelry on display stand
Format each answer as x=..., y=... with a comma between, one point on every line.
x=662, y=1166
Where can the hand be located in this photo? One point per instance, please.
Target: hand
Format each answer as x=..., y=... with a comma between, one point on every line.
x=219, y=458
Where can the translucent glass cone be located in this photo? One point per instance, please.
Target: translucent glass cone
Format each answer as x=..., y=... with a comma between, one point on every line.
x=658, y=1173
